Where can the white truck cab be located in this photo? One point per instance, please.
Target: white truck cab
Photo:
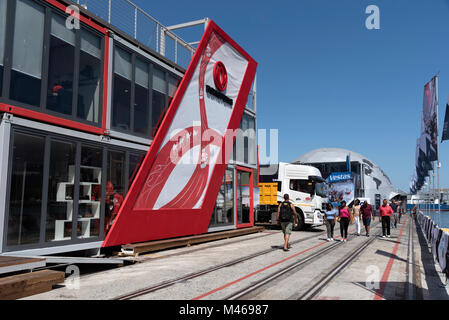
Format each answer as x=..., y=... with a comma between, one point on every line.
x=304, y=185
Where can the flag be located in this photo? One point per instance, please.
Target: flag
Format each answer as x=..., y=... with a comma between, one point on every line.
x=446, y=125
x=424, y=160
x=429, y=127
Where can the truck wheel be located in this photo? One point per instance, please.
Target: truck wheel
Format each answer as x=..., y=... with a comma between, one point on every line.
x=301, y=224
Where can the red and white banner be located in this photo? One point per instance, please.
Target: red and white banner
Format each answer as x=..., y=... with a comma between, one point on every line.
x=175, y=190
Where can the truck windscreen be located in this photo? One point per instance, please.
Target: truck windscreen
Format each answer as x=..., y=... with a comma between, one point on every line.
x=321, y=189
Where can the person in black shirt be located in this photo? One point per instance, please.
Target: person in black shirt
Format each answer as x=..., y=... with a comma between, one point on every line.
x=285, y=215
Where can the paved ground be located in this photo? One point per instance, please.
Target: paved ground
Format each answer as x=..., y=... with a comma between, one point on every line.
x=384, y=270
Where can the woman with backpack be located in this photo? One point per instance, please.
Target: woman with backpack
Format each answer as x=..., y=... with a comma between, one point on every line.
x=285, y=215
x=344, y=216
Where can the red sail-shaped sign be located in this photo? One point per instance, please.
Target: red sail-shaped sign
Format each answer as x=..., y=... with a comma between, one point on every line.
x=176, y=188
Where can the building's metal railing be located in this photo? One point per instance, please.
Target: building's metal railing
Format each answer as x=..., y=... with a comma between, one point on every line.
x=138, y=24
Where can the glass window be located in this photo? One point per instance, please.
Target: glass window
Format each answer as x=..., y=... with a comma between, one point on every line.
x=60, y=72
x=255, y=177
x=304, y=186
x=2, y=39
x=224, y=207
x=89, y=77
x=245, y=148
x=252, y=142
x=60, y=191
x=134, y=164
x=115, y=187
x=121, y=113
x=245, y=138
x=116, y=171
x=90, y=192
x=141, y=103
x=173, y=83
x=250, y=102
x=27, y=52
x=243, y=197
x=25, y=204
x=159, y=92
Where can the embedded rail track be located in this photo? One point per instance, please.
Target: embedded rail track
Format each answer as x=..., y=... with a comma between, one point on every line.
x=312, y=291
x=166, y=284
x=336, y=269
x=196, y=249
x=317, y=286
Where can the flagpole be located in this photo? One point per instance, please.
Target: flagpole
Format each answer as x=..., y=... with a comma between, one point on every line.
x=428, y=194
x=433, y=189
x=438, y=155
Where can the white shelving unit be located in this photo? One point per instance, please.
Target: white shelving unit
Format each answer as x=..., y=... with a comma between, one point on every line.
x=88, y=205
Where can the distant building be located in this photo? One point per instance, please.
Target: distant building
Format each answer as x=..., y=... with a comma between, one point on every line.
x=370, y=180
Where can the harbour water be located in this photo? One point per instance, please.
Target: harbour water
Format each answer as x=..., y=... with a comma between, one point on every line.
x=443, y=219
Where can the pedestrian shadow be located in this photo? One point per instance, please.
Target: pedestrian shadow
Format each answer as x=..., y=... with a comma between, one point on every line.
x=389, y=240
x=436, y=286
x=393, y=290
x=390, y=255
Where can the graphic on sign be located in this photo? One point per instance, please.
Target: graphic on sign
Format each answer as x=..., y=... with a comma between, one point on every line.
x=341, y=187
x=177, y=185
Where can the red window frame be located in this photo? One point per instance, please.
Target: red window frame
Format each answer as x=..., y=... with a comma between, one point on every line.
x=40, y=116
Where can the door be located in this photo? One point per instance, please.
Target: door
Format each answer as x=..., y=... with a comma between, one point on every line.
x=244, y=197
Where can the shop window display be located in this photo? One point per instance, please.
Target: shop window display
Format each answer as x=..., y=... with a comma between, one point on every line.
x=88, y=222
x=60, y=191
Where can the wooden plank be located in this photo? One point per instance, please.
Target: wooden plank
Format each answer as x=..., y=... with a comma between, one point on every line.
x=24, y=285
x=6, y=261
x=157, y=245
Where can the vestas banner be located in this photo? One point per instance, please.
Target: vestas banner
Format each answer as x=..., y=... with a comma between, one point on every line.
x=176, y=188
x=341, y=187
x=339, y=176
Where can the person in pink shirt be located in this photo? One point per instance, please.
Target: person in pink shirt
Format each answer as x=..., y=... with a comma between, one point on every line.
x=345, y=216
x=385, y=211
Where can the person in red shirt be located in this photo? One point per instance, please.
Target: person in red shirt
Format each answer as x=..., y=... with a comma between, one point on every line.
x=114, y=201
x=385, y=211
x=367, y=213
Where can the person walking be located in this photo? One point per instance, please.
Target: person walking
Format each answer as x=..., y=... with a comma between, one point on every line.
x=400, y=212
x=285, y=215
x=330, y=216
x=394, y=220
x=356, y=215
x=385, y=211
x=367, y=213
x=415, y=208
x=344, y=216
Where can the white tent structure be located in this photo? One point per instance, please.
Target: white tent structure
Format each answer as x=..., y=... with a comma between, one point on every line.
x=373, y=178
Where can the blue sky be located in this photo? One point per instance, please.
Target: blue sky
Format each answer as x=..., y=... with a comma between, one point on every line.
x=325, y=80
